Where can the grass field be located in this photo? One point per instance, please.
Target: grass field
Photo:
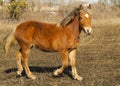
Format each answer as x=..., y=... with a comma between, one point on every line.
x=98, y=60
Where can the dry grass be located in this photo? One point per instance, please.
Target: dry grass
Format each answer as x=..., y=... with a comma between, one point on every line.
x=98, y=60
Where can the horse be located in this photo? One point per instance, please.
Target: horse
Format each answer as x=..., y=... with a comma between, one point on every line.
x=62, y=38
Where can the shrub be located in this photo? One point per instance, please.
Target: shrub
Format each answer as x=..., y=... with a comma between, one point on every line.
x=16, y=8
x=1, y=2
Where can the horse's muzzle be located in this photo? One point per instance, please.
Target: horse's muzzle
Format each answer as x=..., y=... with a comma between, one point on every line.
x=88, y=30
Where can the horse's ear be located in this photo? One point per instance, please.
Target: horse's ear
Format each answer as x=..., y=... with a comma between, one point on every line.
x=81, y=7
x=89, y=6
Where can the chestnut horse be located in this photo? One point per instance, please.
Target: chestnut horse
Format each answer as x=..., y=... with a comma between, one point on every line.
x=63, y=38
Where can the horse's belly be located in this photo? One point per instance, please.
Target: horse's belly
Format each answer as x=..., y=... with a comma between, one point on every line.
x=46, y=46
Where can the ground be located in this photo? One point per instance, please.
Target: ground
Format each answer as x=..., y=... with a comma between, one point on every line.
x=98, y=62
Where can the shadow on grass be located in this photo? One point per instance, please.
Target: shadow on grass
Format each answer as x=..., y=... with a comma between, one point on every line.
x=41, y=70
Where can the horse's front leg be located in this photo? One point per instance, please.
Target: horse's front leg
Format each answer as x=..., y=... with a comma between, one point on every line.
x=72, y=57
x=64, y=57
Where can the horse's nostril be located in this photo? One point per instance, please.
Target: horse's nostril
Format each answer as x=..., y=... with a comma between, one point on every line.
x=87, y=30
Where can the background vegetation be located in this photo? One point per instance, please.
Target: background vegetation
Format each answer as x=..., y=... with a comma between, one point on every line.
x=18, y=9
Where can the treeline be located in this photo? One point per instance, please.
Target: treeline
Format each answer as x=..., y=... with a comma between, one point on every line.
x=18, y=9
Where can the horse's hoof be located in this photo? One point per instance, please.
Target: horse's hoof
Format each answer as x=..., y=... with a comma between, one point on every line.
x=32, y=77
x=78, y=78
x=57, y=76
x=18, y=74
x=56, y=73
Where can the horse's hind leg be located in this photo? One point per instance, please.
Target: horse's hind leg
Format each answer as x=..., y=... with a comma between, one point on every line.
x=25, y=53
x=64, y=57
x=19, y=65
x=72, y=57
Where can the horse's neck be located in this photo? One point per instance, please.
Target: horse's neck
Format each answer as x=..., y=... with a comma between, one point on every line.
x=74, y=26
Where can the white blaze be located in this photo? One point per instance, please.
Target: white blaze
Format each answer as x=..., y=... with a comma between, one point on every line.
x=86, y=15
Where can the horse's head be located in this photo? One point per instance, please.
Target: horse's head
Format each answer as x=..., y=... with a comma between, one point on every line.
x=85, y=19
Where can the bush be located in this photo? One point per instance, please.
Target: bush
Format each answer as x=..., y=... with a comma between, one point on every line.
x=16, y=8
x=1, y=2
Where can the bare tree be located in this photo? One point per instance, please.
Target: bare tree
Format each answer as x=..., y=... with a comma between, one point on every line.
x=102, y=4
x=115, y=2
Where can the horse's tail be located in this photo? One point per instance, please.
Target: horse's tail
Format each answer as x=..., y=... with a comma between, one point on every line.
x=9, y=41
